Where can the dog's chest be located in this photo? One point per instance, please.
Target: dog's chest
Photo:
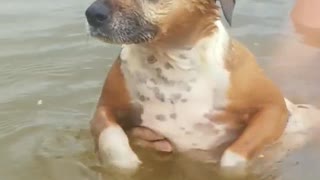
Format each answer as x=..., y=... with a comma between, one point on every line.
x=176, y=97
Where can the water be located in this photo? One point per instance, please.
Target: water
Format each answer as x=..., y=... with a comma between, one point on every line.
x=51, y=74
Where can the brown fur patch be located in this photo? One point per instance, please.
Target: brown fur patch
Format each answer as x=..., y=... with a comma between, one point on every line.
x=192, y=21
x=256, y=100
x=114, y=98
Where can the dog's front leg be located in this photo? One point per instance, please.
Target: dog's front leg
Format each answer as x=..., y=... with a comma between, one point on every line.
x=112, y=144
x=266, y=126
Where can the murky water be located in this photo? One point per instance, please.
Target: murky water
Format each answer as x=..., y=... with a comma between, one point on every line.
x=51, y=74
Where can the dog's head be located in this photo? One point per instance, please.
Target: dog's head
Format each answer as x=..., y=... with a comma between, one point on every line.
x=143, y=21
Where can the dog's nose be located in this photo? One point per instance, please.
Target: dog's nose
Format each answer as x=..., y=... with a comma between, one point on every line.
x=97, y=14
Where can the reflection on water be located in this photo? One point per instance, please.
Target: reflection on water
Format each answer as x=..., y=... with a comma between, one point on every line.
x=46, y=55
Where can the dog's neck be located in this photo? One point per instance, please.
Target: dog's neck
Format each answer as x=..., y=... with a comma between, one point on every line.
x=209, y=50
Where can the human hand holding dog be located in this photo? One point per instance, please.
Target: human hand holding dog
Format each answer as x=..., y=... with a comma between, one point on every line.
x=146, y=138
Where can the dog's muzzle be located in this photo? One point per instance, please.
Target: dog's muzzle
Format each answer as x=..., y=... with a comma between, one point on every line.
x=118, y=25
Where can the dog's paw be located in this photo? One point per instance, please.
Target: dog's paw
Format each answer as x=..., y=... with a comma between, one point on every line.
x=233, y=165
x=232, y=160
x=115, y=150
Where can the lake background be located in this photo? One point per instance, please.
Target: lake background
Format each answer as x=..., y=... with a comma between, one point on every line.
x=51, y=74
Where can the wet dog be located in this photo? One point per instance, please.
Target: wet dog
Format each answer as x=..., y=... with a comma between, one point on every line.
x=182, y=76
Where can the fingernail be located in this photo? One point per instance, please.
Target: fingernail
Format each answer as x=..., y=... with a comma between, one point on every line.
x=164, y=146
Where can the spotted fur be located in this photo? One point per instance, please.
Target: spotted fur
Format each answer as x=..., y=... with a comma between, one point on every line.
x=184, y=90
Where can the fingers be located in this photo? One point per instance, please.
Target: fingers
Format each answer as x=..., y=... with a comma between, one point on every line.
x=146, y=138
x=161, y=145
x=144, y=134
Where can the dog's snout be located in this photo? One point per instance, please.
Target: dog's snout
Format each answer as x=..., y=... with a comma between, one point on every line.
x=97, y=14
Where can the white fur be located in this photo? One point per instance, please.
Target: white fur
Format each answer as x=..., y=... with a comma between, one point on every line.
x=87, y=26
x=219, y=45
x=115, y=150
x=231, y=159
x=205, y=63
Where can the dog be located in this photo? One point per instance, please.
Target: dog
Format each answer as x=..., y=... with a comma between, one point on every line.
x=182, y=76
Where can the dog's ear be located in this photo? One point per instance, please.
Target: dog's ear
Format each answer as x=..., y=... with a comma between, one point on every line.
x=227, y=9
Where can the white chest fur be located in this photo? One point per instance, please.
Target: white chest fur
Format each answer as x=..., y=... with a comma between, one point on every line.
x=178, y=88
